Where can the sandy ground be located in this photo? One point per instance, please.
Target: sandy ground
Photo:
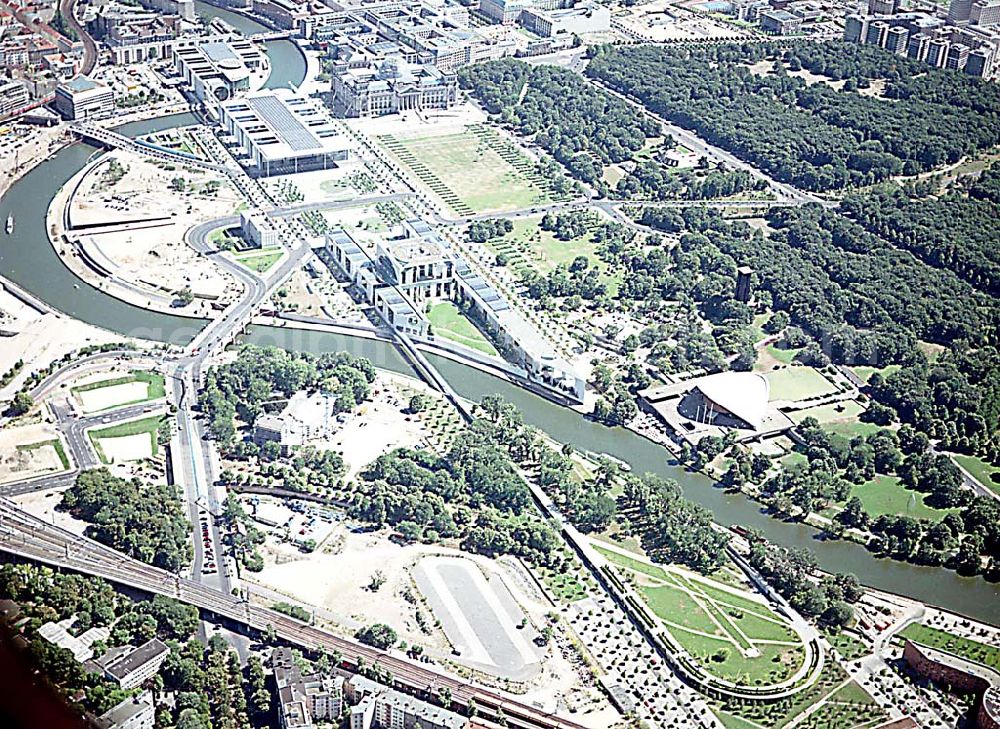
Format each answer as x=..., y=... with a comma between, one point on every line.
x=43, y=340
x=14, y=314
x=375, y=428
x=127, y=447
x=108, y=397
x=43, y=505
x=16, y=465
x=154, y=256
x=301, y=298
x=24, y=147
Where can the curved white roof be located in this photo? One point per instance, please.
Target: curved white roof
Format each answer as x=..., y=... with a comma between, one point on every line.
x=744, y=394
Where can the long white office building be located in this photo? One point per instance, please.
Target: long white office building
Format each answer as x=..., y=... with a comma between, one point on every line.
x=280, y=132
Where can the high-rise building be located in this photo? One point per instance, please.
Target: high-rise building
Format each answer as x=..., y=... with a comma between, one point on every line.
x=959, y=11
x=882, y=7
x=875, y=35
x=937, y=52
x=743, y=274
x=916, y=48
x=979, y=63
x=854, y=28
x=896, y=40
x=957, y=56
x=985, y=12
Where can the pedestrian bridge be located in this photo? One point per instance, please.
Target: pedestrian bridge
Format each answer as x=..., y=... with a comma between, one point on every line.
x=109, y=138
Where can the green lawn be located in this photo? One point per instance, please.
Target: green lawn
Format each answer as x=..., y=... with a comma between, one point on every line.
x=782, y=355
x=971, y=650
x=449, y=322
x=848, y=646
x=528, y=246
x=474, y=170
x=980, y=470
x=133, y=427
x=886, y=495
x=848, y=410
x=798, y=383
x=155, y=386
x=716, y=625
x=865, y=372
x=565, y=586
x=258, y=261
x=848, y=707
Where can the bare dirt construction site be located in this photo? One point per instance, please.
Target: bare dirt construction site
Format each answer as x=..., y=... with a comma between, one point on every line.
x=131, y=215
x=28, y=451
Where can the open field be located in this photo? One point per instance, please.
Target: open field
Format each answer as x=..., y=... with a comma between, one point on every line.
x=473, y=170
x=886, y=495
x=528, y=246
x=798, y=383
x=136, y=387
x=259, y=261
x=129, y=441
x=864, y=372
x=838, y=417
x=448, y=321
x=732, y=634
x=988, y=655
x=27, y=451
x=987, y=475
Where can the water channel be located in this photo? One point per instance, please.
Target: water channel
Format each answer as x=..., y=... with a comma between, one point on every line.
x=28, y=259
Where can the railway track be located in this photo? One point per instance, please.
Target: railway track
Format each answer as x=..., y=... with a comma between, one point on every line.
x=28, y=537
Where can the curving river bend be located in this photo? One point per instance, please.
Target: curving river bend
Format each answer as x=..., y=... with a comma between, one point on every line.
x=27, y=258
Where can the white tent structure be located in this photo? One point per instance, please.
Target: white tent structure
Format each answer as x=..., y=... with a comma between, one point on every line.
x=743, y=395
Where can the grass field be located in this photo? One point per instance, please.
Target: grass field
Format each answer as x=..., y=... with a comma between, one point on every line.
x=721, y=628
x=133, y=427
x=528, y=246
x=259, y=261
x=886, y=495
x=971, y=650
x=449, y=322
x=980, y=470
x=798, y=383
x=155, y=386
x=848, y=646
x=475, y=170
x=782, y=355
x=865, y=372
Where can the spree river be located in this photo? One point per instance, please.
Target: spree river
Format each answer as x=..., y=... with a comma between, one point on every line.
x=28, y=259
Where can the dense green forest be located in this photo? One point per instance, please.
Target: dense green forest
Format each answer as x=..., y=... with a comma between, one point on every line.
x=953, y=230
x=263, y=374
x=582, y=126
x=853, y=292
x=586, y=128
x=143, y=520
x=815, y=136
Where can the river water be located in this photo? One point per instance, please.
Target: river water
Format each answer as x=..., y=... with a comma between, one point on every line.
x=27, y=258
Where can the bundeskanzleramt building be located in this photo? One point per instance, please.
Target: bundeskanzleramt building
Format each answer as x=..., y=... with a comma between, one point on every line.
x=280, y=132
x=407, y=272
x=84, y=98
x=393, y=85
